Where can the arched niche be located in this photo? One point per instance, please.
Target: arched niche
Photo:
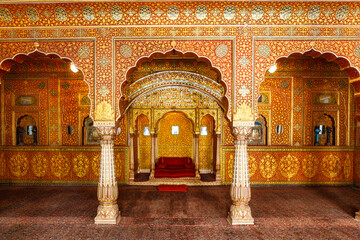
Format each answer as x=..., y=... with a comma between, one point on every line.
x=26, y=131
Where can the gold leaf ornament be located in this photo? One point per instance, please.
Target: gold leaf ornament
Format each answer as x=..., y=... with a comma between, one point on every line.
x=39, y=165
x=289, y=166
x=104, y=112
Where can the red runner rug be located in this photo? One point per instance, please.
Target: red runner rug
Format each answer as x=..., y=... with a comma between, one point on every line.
x=172, y=188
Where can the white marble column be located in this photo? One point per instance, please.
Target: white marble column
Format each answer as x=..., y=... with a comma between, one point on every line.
x=217, y=166
x=108, y=210
x=240, y=212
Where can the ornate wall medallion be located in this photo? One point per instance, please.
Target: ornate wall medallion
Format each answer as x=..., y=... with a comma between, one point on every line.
x=144, y=12
x=39, y=165
x=347, y=167
x=116, y=12
x=60, y=14
x=221, y=50
x=19, y=165
x=5, y=15
x=60, y=165
x=32, y=14
x=331, y=166
x=96, y=165
x=289, y=166
x=88, y=13
x=267, y=166
x=264, y=50
x=310, y=166
x=314, y=12
x=257, y=12
x=201, y=12
x=83, y=51
x=229, y=12
x=285, y=12
x=173, y=12
x=126, y=51
x=81, y=165
x=342, y=12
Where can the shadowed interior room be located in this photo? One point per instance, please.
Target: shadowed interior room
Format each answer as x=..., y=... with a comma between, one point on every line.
x=179, y=119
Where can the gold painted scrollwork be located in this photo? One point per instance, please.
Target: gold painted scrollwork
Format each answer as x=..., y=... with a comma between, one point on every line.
x=347, y=166
x=252, y=166
x=96, y=165
x=289, y=166
x=81, y=165
x=330, y=166
x=310, y=166
x=267, y=166
x=39, y=165
x=2, y=165
x=60, y=165
x=119, y=166
x=230, y=164
x=19, y=165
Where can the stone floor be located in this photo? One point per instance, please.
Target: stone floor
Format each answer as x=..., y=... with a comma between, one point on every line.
x=200, y=213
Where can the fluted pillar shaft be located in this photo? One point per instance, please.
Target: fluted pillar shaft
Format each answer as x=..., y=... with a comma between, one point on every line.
x=240, y=212
x=197, y=155
x=108, y=210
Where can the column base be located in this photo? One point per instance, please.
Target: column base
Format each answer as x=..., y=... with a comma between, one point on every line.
x=357, y=216
x=218, y=176
x=240, y=215
x=152, y=175
x=107, y=214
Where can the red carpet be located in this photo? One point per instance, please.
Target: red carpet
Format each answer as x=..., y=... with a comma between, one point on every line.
x=172, y=188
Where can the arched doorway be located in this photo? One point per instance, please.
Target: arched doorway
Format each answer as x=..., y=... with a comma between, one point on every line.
x=167, y=85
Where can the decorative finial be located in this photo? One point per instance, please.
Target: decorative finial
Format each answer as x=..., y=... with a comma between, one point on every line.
x=173, y=43
x=36, y=44
x=312, y=44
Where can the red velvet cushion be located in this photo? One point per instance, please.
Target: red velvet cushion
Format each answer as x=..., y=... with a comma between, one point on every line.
x=175, y=161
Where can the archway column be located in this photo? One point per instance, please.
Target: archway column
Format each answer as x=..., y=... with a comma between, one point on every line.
x=196, y=153
x=153, y=155
x=108, y=209
x=132, y=157
x=240, y=212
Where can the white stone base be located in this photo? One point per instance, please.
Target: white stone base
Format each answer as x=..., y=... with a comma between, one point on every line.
x=112, y=220
x=240, y=221
x=357, y=216
x=107, y=214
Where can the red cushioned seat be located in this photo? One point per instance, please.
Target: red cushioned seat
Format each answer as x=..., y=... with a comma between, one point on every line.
x=174, y=167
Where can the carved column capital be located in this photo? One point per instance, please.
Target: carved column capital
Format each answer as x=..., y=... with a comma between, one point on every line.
x=107, y=130
x=241, y=132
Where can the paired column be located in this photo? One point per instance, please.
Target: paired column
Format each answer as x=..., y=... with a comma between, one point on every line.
x=132, y=157
x=108, y=209
x=240, y=212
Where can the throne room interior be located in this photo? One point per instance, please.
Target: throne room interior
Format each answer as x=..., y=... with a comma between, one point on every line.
x=240, y=101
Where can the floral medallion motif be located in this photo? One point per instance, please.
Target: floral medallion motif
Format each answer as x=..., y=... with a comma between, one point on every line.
x=331, y=166
x=119, y=166
x=314, y=12
x=347, y=167
x=81, y=165
x=289, y=166
x=5, y=15
x=201, y=12
x=39, y=165
x=173, y=12
x=221, y=50
x=310, y=166
x=126, y=51
x=264, y=50
x=285, y=12
x=19, y=165
x=257, y=12
x=144, y=12
x=83, y=51
x=267, y=166
x=229, y=12
x=96, y=165
x=32, y=14
x=60, y=14
x=342, y=12
x=59, y=165
x=252, y=166
x=88, y=13
x=116, y=12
